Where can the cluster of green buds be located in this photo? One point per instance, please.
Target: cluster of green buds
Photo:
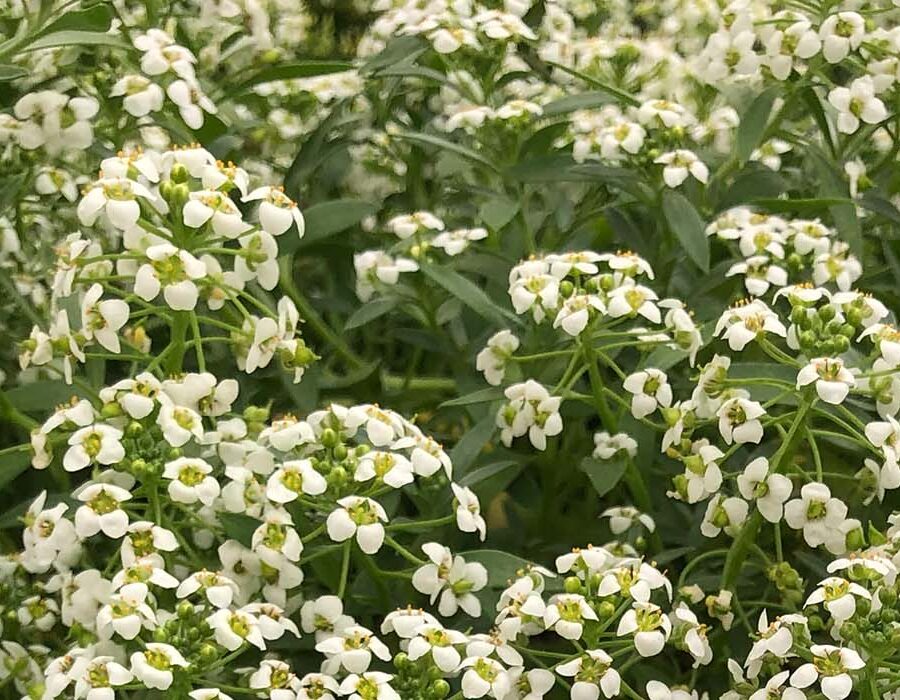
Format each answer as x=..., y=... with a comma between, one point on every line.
x=823, y=331
x=146, y=450
x=190, y=633
x=787, y=580
x=419, y=679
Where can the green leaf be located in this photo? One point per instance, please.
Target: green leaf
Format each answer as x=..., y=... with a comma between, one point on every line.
x=466, y=451
x=94, y=19
x=42, y=394
x=11, y=72
x=74, y=37
x=325, y=219
x=488, y=471
x=292, y=71
x=496, y=212
x=553, y=168
x=412, y=71
x=833, y=185
x=753, y=123
x=571, y=103
x=688, y=227
x=807, y=205
x=399, y=49
x=444, y=144
x=492, y=393
x=880, y=205
x=501, y=566
x=239, y=527
x=615, y=92
x=11, y=190
x=369, y=312
x=752, y=184
x=469, y=294
x=13, y=464
x=604, y=474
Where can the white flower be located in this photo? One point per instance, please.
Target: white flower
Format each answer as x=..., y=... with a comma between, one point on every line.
x=621, y=518
x=741, y=324
x=483, y=676
x=649, y=626
x=102, y=320
x=217, y=209
x=96, y=678
x=606, y=446
x=292, y=479
x=277, y=678
x=373, y=685
x=455, y=242
x=154, y=665
x=634, y=578
x=179, y=424
x=593, y=673
x=796, y=40
x=775, y=688
x=440, y=643
x=234, y=628
x=191, y=101
x=451, y=578
x=829, y=666
x=358, y=516
x=493, y=358
x=93, y=444
x=141, y=95
x=838, y=596
x=101, y=511
x=729, y=52
x=376, y=266
x=409, y=224
x=202, y=392
x=117, y=198
x=841, y=33
x=172, y=270
x=693, y=634
x=630, y=300
x=315, y=686
x=191, y=481
x=352, y=648
x=392, y=468
x=532, y=410
x=681, y=163
x=739, y=420
x=126, y=613
x=726, y=514
x=277, y=212
x=575, y=313
x=650, y=389
x=324, y=616
x=759, y=274
x=857, y=103
x=833, y=380
x=566, y=613
x=816, y=512
x=770, y=491
x=468, y=511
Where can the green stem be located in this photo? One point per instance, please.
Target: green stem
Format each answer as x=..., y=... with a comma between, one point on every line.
x=312, y=318
x=403, y=551
x=633, y=477
x=198, y=345
x=175, y=356
x=345, y=569
x=747, y=536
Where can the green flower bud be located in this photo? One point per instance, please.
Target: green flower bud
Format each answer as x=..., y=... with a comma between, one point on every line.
x=572, y=584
